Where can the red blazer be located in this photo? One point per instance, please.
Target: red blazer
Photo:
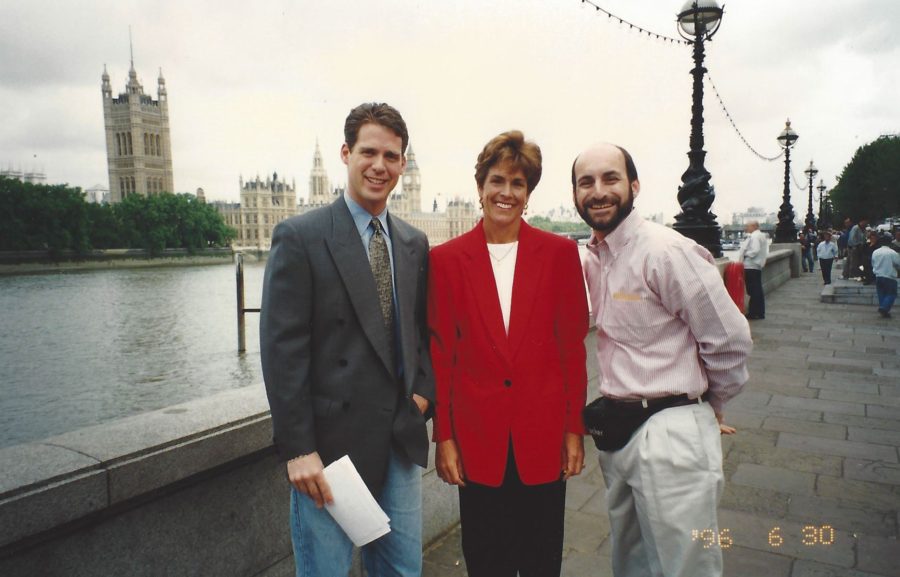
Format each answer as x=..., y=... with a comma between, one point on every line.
x=530, y=385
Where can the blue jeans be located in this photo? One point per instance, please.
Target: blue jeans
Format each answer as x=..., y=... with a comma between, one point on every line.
x=322, y=549
x=887, y=292
x=807, y=260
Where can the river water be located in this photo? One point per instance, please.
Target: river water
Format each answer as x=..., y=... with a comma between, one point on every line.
x=82, y=348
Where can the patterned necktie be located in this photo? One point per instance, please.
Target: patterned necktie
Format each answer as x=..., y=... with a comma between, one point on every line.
x=380, y=262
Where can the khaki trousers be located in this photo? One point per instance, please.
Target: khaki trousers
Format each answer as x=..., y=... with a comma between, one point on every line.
x=663, y=489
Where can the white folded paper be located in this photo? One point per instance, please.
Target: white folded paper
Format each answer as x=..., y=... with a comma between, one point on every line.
x=354, y=507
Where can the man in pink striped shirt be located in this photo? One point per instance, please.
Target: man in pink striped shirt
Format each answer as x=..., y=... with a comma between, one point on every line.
x=671, y=344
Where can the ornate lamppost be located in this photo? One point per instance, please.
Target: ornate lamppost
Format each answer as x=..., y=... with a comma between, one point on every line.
x=785, y=231
x=823, y=222
x=697, y=22
x=811, y=173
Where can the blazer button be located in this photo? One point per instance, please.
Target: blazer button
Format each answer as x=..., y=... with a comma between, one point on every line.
x=507, y=383
x=342, y=362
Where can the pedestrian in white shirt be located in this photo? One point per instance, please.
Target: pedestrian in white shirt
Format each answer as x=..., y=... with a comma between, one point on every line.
x=885, y=265
x=754, y=252
x=826, y=252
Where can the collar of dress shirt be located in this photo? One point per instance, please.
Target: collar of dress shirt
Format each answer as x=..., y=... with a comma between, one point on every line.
x=619, y=237
x=363, y=218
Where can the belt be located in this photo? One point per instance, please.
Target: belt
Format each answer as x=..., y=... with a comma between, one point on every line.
x=658, y=404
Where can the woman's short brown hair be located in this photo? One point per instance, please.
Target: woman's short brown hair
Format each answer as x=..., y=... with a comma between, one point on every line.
x=512, y=147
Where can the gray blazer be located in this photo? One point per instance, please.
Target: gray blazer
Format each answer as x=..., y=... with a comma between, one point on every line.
x=330, y=383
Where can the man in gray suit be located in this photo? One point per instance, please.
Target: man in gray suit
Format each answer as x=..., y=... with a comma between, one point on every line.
x=344, y=347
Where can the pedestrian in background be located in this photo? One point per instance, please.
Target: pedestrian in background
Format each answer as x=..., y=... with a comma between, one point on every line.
x=754, y=252
x=856, y=241
x=868, y=277
x=808, y=243
x=886, y=265
x=842, y=243
x=805, y=259
x=826, y=251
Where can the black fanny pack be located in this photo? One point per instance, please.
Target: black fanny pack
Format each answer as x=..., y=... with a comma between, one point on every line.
x=612, y=422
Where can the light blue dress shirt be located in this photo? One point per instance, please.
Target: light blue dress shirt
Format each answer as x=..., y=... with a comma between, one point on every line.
x=363, y=220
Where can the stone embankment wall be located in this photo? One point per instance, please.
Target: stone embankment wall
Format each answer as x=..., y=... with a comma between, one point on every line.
x=39, y=261
x=193, y=489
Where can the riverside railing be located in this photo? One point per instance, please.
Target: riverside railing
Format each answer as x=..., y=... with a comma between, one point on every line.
x=241, y=309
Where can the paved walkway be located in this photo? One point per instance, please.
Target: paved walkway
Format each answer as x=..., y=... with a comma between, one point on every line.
x=813, y=480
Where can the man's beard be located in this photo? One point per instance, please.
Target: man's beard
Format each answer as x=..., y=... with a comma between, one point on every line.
x=621, y=213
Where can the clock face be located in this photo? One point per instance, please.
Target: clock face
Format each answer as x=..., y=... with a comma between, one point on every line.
x=407, y=179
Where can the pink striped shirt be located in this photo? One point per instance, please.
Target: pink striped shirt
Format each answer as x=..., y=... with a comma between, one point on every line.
x=665, y=323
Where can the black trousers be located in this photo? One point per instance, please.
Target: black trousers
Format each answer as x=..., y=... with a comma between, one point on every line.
x=514, y=528
x=825, y=265
x=753, y=281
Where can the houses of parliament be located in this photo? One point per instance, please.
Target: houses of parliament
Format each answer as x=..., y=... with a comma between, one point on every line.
x=139, y=160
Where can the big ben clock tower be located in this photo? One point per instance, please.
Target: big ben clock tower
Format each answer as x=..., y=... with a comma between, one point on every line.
x=412, y=184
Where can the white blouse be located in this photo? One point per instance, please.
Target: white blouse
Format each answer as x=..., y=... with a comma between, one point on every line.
x=503, y=261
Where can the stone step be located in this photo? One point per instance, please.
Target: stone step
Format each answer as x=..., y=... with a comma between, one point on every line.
x=858, y=289
x=849, y=293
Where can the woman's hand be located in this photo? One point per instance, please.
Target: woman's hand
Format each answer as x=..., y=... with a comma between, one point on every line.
x=572, y=455
x=449, y=463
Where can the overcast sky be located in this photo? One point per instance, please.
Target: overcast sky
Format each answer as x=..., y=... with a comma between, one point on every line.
x=251, y=88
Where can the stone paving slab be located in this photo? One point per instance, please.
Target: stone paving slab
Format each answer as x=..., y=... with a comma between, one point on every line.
x=754, y=500
x=781, y=458
x=863, y=422
x=774, y=385
x=776, y=479
x=836, y=447
x=879, y=555
x=868, y=399
x=818, y=405
x=887, y=373
x=890, y=390
x=845, y=516
x=804, y=568
x=744, y=420
x=844, y=377
x=878, y=436
x=876, y=471
x=817, y=447
x=848, y=385
x=750, y=562
x=827, y=430
x=865, y=493
x=882, y=412
x=851, y=366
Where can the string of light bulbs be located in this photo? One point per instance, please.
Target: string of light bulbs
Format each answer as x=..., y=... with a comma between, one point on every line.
x=632, y=26
x=642, y=30
x=800, y=186
x=733, y=125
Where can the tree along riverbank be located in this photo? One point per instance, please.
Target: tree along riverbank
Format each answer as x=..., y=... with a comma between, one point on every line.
x=57, y=218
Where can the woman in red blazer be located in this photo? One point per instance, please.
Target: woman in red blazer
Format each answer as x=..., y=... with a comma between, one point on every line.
x=508, y=317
